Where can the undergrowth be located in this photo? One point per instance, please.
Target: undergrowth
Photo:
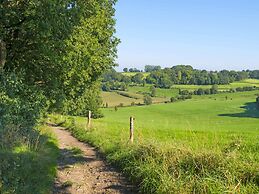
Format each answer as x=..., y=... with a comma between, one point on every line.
x=29, y=168
x=28, y=153
x=160, y=168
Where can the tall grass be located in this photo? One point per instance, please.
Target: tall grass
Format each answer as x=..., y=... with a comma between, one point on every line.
x=176, y=167
x=29, y=165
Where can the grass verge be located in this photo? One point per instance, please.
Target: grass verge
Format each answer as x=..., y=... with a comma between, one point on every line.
x=29, y=168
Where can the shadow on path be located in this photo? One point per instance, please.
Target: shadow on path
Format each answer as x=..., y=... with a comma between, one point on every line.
x=82, y=170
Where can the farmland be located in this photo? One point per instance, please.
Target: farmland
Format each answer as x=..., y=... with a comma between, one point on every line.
x=207, y=144
x=243, y=83
x=162, y=94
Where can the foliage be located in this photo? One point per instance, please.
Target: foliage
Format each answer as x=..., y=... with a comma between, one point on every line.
x=62, y=49
x=185, y=74
x=21, y=107
x=254, y=74
x=109, y=86
x=150, y=68
x=129, y=95
x=137, y=78
x=152, y=91
x=147, y=100
x=134, y=70
x=89, y=100
x=26, y=170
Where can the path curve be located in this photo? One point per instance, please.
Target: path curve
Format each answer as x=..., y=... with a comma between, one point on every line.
x=80, y=170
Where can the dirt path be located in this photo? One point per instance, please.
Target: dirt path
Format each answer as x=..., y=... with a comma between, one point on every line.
x=80, y=170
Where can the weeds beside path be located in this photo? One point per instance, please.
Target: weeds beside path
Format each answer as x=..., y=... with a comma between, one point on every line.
x=80, y=170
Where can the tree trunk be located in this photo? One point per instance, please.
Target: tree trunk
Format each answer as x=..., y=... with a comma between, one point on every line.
x=2, y=54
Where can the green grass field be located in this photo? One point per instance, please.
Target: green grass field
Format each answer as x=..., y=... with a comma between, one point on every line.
x=160, y=92
x=145, y=74
x=243, y=83
x=204, y=145
x=162, y=95
x=114, y=99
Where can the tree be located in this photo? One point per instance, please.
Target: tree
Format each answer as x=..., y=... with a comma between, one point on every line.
x=150, y=68
x=200, y=91
x=152, y=91
x=214, y=89
x=179, y=75
x=106, y=87
x=59, y=47
x=134, y=70
x=125, y=69
x=137, y=78
x=147, y=100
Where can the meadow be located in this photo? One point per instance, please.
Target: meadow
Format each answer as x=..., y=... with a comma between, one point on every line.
x=162, y=94
x=114, y=99
x=209, y=144
x=243, y=83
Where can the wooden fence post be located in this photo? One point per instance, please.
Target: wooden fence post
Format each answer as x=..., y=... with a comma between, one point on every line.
x=131, y=129
x=89, y=119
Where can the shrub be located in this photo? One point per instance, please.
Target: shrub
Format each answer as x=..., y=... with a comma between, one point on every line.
x=21, y=107
x=184, y=92
x=129, y=95
x=152, y=91
x=147, y=100
x=173, y=99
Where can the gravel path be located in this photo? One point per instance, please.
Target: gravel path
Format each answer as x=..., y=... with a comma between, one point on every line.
x=80, y=170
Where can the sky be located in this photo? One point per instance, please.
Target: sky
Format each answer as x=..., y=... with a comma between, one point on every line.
x=207, y=34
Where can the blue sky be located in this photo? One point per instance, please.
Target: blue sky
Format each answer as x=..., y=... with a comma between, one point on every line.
x=207, y=34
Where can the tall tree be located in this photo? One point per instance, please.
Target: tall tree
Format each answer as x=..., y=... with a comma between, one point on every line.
x=60, y=46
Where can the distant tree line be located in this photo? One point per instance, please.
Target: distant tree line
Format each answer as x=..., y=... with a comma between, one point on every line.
x=113, y=80
x=180, y=74
x=131, y=70
x=185, y=74
x=214, y=90
x=148, y=68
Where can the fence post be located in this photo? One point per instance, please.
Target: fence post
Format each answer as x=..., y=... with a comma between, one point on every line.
x=131, y=129
x=89, y=119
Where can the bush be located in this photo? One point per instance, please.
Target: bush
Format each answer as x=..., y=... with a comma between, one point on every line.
x=89, y=100
x=184, y=97
x=147, y=100
x=129, y=95
x=27, y=158
x=184, y=92
x=21, y=107
x=173, y=99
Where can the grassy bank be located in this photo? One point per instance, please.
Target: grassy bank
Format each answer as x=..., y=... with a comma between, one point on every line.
x=209, y=144
x=31, y=166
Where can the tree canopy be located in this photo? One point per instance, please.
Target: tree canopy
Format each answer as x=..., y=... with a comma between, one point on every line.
x=62, y=47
